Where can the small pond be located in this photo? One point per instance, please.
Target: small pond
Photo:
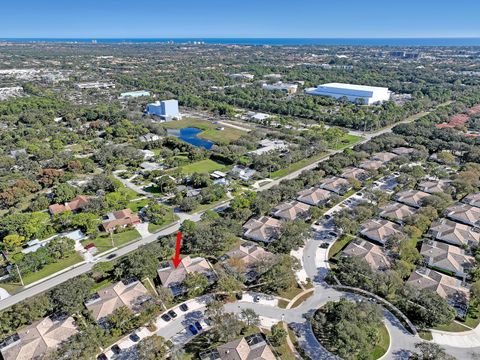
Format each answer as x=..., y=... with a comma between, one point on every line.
x=189, y=135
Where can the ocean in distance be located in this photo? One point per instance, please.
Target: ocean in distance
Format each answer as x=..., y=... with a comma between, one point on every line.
x=273, y=41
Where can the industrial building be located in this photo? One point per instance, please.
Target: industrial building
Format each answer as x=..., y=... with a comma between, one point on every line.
x=134, y=94
x=288, y=88
x=167, y=109
x=354, y=93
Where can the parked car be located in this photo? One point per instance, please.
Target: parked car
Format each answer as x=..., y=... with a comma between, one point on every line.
x=256, y=298
x=134, y=337
x=172, y=314
x=184, y=307
x=192, y=329
x=102, y=357
x=198, y=326
x=116, y=349
x=166, y=317
x=324, y=245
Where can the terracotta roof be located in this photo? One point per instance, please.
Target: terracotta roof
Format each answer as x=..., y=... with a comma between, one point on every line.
x=355, y=173
x=121, y=218
x=263, y=229
x=76, y=203
x=291, y=210
x=336, y=184
x=434, y=186
x=243, y=349
x=446, y=286
x=379, y=230
x=396, y=211
x=40, y=337
x=384, y=156
x=372, y=254
x=314, y=196
x=448, y=257
x=464, y=213
x=412, y=197
x=107, y=300
x=170, y=275
x=371, y=164
x=248, y=253
x=454, y=233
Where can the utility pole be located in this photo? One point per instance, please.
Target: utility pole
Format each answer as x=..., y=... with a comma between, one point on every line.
x=19, y=274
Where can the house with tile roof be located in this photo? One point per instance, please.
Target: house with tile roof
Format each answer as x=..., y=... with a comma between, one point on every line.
x=252, y=347
x=447, y=287
x=384, y=157
x=454, y=233
x=292, y=210
x=120, y=219
x=372, y=254
x=249, y=255
x=265, y=229
x=76, y=204
x=447, y=257
x=370, y=165
x=355, y=173
x=336, y=184
x=172, y=277
x=472, y=199
x=412, y=197
x=37, y=339
x=396, y=212
x=402, y=150
x=434, y=186
x=379, y=230
x=464, y=213
x=130, y=293
x=314, y=196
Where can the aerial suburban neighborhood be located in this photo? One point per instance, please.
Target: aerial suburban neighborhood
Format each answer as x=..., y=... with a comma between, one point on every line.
x=210, y=200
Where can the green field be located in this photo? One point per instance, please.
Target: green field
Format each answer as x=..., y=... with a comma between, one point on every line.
x=103, y=242
x=53, y=268
x=339, y=245
x=202, y=166
x=296, y=166
x=346, y=141
x=210, y=131
x=136, y=205
x=383, y=344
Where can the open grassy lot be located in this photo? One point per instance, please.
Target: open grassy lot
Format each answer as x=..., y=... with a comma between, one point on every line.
x=452, y=327
x=136, y=205
x=210, y=131
x=296, y=166
x=202, y=166
x=52, y=268
x=103, y=242
x=345, y=141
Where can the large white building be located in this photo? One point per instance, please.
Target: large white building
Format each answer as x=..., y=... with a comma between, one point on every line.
x=167, y=109
x=354, y=93
x=280, y=86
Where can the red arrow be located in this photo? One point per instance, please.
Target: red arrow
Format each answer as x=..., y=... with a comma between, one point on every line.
x=176, y=259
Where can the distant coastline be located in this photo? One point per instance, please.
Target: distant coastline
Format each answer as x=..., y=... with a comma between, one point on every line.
x=270, y=41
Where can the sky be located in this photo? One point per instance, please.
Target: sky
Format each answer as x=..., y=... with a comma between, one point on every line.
x=233, y=18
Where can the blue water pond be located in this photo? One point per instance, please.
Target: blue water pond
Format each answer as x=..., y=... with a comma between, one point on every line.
x=190, y=135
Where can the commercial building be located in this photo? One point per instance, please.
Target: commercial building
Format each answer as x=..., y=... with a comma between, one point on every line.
x=134, y=94
x=166, y=109
x=280, y=86
x=354, y=93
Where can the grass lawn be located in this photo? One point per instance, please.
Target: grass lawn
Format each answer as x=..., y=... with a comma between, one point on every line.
x=102, y=284
x=210, y=131
x=103, y=242
x=12, y=288
x=452, y=327
x=347, y=140
x=52, y=268
x=202, y=166
x=382, y=346
x=425, y=335
x=473, y=316
x=283, y=351
x=296, y=166
x=282, y=304
x=204, y=207
x=339, y=245
x=290, y=293
x=135, y=206
x=171, y=218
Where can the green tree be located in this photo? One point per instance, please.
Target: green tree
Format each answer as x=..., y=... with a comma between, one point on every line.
x=152, y=348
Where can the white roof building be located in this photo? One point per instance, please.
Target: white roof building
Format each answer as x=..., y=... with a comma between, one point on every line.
x=369, y=94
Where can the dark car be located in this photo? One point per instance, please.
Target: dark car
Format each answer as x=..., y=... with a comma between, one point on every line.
x=192, y=329
x=116, y=349
x=324, y=245
x=111, y=256
x=134, y=337
x=173, y=314
x=198, y=326
x=166, y=317
x=102, y=357
x=184, y=307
